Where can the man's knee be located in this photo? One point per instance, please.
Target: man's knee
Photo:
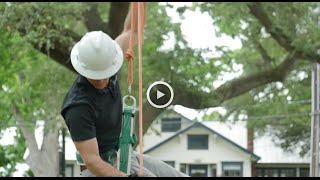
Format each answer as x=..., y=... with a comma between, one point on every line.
x=161, y=168
x=86, y=173
x=157, y=167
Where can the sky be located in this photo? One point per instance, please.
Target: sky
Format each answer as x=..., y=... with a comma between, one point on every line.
x=199, y=32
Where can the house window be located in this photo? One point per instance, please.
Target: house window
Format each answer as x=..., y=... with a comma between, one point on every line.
x=198, y=170
x=197, y=141
x=232, y=169
x=304, y=172
x=276, y=172
x=171, y=163
x=288, y=172
x=170, y=124
x=271, y=173
x=69, y=170
x=259, y=173
x=183, y=168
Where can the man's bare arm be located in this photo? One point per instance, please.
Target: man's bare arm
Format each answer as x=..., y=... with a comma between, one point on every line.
x=124, y=38
x=90, y=154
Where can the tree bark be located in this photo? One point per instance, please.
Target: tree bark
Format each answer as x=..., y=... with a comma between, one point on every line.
x=233, y=88
x=117, y=15
x=92, y=18
x=27, y=133
x=43, y=162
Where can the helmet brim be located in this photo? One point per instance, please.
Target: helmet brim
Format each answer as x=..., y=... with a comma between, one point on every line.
x=96, y=75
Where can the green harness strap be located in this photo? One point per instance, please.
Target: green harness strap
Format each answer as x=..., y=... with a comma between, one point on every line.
x=127, y=138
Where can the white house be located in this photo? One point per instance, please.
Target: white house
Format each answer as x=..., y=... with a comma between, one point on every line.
x=210, y=149
x=195, y=149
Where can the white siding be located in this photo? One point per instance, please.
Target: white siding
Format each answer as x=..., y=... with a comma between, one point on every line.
x=154, y=135
x=219, y=151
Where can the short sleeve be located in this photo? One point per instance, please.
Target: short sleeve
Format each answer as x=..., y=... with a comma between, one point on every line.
x=81, y=122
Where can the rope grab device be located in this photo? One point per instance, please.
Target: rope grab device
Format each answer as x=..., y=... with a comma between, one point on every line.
x=127, y=138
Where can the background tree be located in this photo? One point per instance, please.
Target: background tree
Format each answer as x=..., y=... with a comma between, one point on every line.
x=11, y=155
x=271, y=35
x=279, y=41
x=31, y=92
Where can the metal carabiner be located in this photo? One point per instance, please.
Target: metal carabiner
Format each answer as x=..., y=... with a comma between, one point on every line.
x=133, y=106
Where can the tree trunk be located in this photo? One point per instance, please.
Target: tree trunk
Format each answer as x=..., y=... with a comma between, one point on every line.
x=43, y=162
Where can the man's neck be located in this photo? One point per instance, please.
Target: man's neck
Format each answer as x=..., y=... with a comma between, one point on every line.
x=99, y=84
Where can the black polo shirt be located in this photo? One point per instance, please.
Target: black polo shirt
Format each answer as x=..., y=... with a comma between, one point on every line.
x=89, y=112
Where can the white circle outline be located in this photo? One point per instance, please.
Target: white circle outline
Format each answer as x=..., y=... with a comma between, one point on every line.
x=148, y=93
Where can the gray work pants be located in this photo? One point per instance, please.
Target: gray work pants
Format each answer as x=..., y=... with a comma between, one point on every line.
x=152, y=168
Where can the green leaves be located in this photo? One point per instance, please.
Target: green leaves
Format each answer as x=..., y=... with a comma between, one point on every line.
x=38, y=84
x=11, y=155
x=29, y=80
x=42, y=23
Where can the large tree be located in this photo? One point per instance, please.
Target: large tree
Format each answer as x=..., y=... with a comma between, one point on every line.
x=277, y=38
x=31, y=92
x=271, y=34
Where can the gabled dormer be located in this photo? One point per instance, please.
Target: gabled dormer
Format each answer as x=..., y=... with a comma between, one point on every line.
x=165, y=125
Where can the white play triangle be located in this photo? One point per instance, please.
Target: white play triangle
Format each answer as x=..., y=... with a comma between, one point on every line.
x=159, y=94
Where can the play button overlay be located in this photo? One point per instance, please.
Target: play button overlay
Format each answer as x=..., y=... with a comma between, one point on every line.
x=160, y=94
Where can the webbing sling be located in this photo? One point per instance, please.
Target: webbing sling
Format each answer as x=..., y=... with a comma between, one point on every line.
x=127, y=137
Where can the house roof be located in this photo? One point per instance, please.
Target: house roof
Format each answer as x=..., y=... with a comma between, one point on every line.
x=176, y=113
x=265, y=146
x=199, y=124
x=272, y=153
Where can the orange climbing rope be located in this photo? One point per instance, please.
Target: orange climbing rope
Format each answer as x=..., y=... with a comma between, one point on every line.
x=137, y=19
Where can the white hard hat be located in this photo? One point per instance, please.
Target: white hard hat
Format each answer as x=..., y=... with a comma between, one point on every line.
x=96, y=56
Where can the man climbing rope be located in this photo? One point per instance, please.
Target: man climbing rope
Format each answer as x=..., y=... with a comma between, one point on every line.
x=92, y=108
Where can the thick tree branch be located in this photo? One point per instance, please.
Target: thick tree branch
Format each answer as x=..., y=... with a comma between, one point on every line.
x=233, y=88
x=239, y=86
x=149, y=114
x=117, y=15
x=263, y=52
x=277, y=33
x=28, y=135
x=92, y=18
x=59, y=52
x=68, y=33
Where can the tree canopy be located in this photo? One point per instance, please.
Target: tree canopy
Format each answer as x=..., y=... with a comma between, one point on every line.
x=280, y=42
